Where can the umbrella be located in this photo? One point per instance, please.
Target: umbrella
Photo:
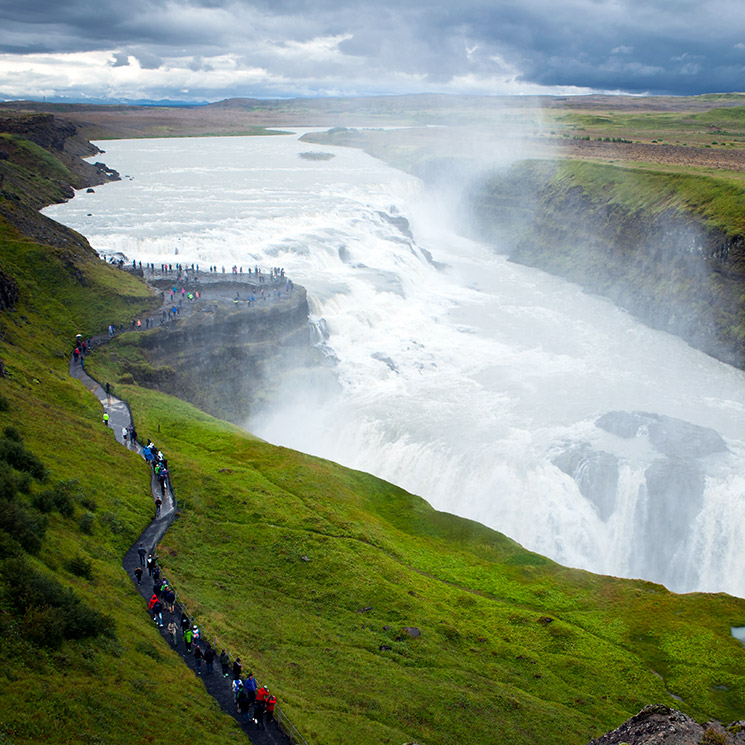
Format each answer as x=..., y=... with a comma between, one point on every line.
x=78, y=336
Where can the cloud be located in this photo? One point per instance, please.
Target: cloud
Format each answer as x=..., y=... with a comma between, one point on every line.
x=222, y=48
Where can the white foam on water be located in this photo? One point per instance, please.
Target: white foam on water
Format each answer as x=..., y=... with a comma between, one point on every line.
x=460, y=384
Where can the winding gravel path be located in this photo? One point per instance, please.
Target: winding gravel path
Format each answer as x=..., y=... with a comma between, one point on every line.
x=216, y=685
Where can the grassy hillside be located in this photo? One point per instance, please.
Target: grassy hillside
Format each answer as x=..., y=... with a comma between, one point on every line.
x=311, y=570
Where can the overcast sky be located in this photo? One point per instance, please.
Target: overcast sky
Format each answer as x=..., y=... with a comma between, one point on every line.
x=215, y=49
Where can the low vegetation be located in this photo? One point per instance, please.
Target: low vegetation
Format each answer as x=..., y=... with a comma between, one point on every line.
x=373, y=617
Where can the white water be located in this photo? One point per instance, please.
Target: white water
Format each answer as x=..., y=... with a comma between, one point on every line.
x=483, y=371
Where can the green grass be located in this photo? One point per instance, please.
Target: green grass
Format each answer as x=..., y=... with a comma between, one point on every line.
x=306, y=569
x=487, y=659
x=718, y=202
x=108, y=689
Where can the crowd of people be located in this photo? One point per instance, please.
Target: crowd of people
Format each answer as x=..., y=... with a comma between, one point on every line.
x=254, y=703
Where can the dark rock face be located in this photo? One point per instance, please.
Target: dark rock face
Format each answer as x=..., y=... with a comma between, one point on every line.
x=660, y=725
x=668, y=268
x=672, y=437
x=596, y=474
x=8, y=292
x=228, y=360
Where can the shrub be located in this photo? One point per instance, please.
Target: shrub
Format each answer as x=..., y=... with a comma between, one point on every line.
x=52, y=611
x=113, y=523
x=65, y=494
x=127, y=379
x=712, y=737
x=60, y=497
x=13, y=452
x=86, y=523
x=26, y=527
x=40, y=626
x=4, y=405
x=89, y=503
x=80, y=567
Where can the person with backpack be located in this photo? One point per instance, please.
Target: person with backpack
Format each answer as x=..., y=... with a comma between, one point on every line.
x=225, y=662
x=251, y=685
x=157, y=612
x=188, y=638
x=261, y=695
x=237, y=668
x=169, y=597
x=271, y=702
x=237, y=687
x=172, y=631
x=244, y=704
x=142, y=553
x=138, y=574
x=150, y=563
x=209, y=658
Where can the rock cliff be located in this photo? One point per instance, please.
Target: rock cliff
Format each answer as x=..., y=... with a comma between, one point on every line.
x=224, y=355
x=650, y=253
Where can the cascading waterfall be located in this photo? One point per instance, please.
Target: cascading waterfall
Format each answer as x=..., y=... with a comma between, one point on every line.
x=493, y=390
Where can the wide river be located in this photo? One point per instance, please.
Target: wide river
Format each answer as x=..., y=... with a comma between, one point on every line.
x=461, y=383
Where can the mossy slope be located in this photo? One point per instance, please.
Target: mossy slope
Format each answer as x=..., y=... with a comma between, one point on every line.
x=307, y=569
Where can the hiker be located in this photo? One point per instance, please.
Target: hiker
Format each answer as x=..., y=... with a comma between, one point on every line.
x=76, y=354
x=198, y=656
x=243, y=704
x=156, y=574
x=158, y=505
x=169, y=597
x=196, y=632
x=225, y=661
x=251, y=685
x=125, y=435
x=157, y=613
x=237, y=686
x=237, y=667
x=138, y=574
x=172, y=632
x=106, y=418
x=108, y=392
x=261, y=695
x=143, y=553
x=188, y=638
x=150, y=564
x=209, y=658
x=271, y=702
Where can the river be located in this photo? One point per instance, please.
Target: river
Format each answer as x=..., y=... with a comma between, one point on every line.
x=462, y=377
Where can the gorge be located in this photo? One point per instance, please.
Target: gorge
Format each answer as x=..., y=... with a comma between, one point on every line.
x=461, y=376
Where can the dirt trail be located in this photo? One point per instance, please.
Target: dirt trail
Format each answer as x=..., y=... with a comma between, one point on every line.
x=217, y=686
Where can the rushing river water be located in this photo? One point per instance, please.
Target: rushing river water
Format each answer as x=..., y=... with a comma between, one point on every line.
x=476, y=384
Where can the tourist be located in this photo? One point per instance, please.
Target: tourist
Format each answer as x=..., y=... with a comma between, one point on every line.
x=225, y=663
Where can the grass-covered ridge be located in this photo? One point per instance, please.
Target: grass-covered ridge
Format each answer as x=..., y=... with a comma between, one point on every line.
x=311, y=570
x=718, y=202
x=300, y=565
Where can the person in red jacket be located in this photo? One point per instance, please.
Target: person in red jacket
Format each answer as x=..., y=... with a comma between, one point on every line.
x=259, y=706
x=271, y=702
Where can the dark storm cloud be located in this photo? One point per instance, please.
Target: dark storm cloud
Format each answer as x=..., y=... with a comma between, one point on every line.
x=670, y=46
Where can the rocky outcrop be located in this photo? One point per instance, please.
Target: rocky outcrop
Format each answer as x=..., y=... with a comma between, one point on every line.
x=228, y=358
x=660, y=725
x=666, y=265
x=31, y=180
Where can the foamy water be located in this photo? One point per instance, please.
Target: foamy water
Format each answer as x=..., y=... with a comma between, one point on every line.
x=461, y=383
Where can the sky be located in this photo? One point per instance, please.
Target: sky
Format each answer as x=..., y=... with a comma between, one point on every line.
x=209, y=50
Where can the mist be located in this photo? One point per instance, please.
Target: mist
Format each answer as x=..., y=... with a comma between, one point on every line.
x=468, y=379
